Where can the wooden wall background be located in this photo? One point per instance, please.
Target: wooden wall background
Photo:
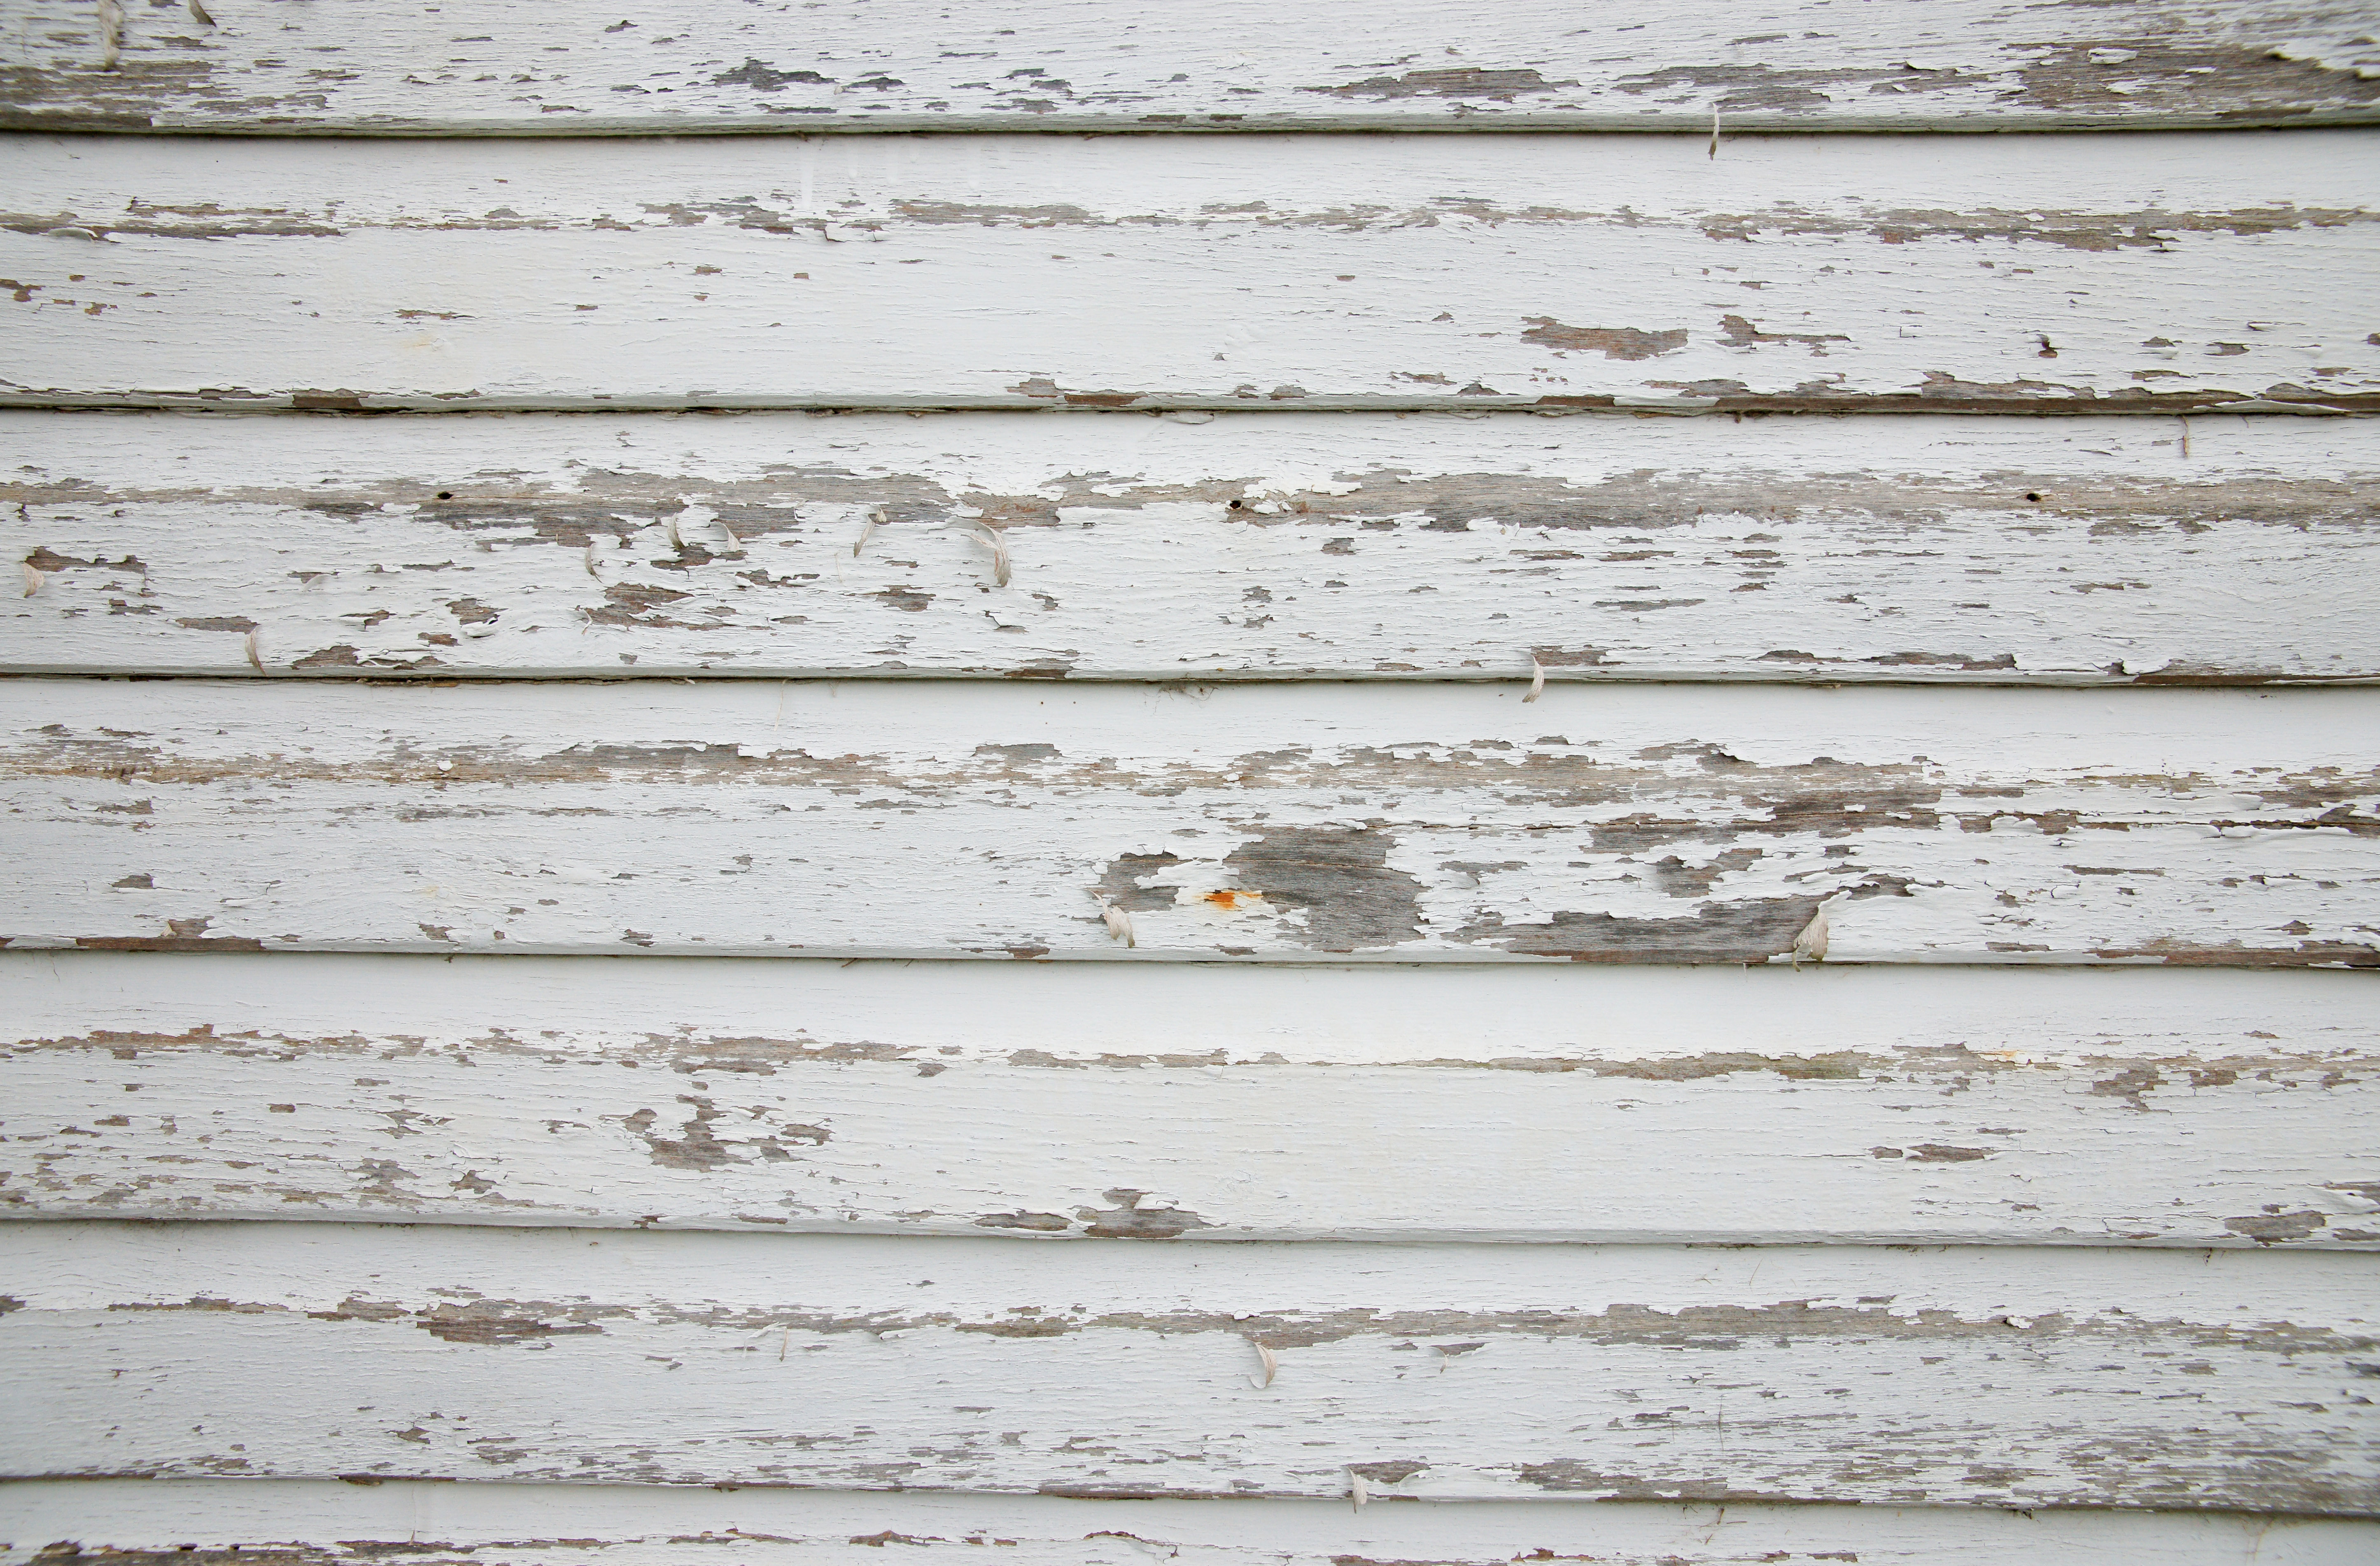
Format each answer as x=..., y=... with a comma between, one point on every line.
x=1578, y=796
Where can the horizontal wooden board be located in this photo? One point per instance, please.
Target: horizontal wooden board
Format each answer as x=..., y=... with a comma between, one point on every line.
x=506, y=66
x=1267, y=546
x=1612, y=823
x=1987, y=1376
x=317, y=1523
x=1195, y=1102
x=2172, y=272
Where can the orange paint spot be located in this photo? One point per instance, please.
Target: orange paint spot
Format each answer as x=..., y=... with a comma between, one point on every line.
x=1227, y=901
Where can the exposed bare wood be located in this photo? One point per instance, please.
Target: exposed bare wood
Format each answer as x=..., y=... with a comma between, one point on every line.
x=2157, y=273
x=317, y=1523
x=1265, y=546
x=505, y=66
x=1985, y=1376
x=1867, y=1105
x=1617, y=823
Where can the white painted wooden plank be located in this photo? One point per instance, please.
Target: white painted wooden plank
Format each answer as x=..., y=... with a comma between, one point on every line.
x=1613, y=823
x=1957, y=549
x=2174, y=272
x=1985, y=1377
x=1869, y=1105
x=312, y=1523
x=508, y=66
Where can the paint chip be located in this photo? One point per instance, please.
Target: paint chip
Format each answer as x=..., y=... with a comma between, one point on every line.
x=1119, y=923
x=1812, y=943
x=255, y=659
x=991, y=535
x=33, y=579
x=1536, y=680
x=1272, y=1363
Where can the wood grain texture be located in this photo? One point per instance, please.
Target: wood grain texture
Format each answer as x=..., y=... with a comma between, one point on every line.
x=2172, y=272
x=504, y=67
x=1615, y=823
x=1265, y=546
x=1985, y=1376
x=1867, y=1105
x=317, y=1522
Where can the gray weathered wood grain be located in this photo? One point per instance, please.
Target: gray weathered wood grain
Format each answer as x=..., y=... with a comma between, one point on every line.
x=2145, y=274
x=505, y=66
x=1868, y=1105
x=1986, y=1377
x=1242, y=546
x=317, y=1522
x=1613, y=823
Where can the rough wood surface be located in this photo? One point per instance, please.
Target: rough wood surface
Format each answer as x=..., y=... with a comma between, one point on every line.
x=324, y=1523
x=1239, y=546
x=1004, y=819
x=1867, y=1105
x=2172, y=273
x=1982, y=1377
x=507, y=66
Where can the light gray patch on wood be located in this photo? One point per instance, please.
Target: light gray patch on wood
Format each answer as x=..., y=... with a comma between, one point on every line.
x=1613, y=342
x=1342, y=880
x=1457, y=82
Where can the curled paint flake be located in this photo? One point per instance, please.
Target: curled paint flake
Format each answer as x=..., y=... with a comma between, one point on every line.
x=111, y=32
x=1358, y=1490
x=1812, y=943
x=33, y=579
x=590, y=561
x=1536, y=680
x=1714, y=146
x=1119, y=923
x=1272, y=1363
x=991, y=535
x=255, y=659
x=199, y=14
x=875, y=515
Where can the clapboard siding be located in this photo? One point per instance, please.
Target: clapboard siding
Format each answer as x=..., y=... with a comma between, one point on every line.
x=2172, y=273
x=1868, y=1105
x=1414, y=546
x=487, y=66
x=201, y=1521
x=2004, y=1378
x=1616, y=823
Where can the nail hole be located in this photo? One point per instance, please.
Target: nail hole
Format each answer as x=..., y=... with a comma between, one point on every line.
x=2034, y=495
x=1238, y=505
x=449, y=494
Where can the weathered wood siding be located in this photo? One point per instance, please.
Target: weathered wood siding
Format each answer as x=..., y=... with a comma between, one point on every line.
x=1009, y=820
x=1995, y=1377
x=2173, y=272
x=2084, y=550
x=203, y=1522
x=1454, y=844
x=498, y=67
x=1870, y=1105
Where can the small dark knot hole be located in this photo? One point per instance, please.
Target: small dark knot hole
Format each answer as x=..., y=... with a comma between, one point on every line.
x=449, y=494
x=2032, y=495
